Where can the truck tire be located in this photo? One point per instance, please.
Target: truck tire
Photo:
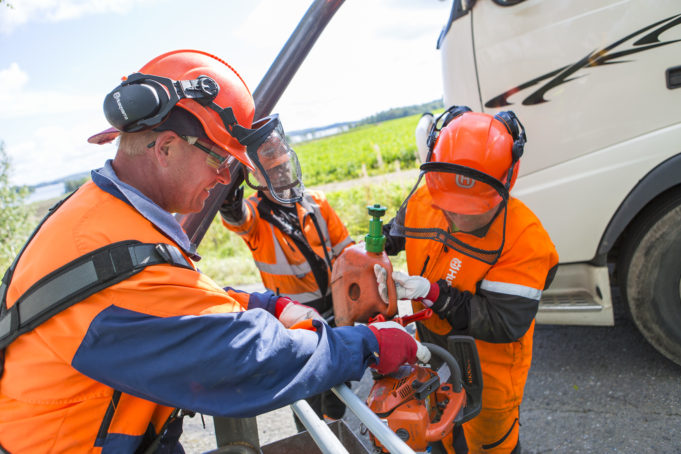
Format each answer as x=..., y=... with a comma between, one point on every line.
x=651, y=270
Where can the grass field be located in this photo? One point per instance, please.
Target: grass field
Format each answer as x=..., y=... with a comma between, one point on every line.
x=376, y=148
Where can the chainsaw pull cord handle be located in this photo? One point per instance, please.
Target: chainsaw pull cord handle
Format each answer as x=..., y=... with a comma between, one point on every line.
x=455, y=370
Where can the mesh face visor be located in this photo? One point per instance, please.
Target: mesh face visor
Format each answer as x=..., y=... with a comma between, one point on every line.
x=460, y=190
x=275, y=161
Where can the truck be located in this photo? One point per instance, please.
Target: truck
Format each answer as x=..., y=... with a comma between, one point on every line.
x=597, y=85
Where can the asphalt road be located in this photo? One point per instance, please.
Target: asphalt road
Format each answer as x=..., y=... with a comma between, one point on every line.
x=590, y=390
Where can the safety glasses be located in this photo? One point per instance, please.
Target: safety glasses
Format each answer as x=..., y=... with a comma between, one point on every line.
x=214, y=159
x=221, y=164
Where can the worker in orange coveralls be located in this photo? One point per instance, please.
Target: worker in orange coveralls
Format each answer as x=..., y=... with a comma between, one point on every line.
x=479, y=258
x=295, y=237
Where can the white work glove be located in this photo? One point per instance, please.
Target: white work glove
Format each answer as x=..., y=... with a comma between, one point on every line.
x=291, y=312
x=396, y=347
x=408, y=287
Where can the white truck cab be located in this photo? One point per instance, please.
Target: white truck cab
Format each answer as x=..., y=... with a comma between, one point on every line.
x=597, y=85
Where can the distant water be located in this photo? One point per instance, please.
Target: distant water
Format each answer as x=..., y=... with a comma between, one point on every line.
x=46, y=192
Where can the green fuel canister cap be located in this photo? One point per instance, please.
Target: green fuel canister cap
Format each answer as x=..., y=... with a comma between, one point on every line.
x=375, y=240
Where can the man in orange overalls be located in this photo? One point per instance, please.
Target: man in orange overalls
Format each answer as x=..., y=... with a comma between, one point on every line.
x=295, y=237
x=479, y=258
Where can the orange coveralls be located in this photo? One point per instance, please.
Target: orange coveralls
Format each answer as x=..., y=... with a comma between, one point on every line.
x=502, y=308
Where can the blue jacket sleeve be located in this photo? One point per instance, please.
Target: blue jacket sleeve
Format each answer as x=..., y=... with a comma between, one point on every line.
x=234, y=364
x=257, y=300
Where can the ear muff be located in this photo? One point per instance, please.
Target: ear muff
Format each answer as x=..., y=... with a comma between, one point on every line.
x=517, y=131
x=144, y=101
x=443, y=120
x=130, y=104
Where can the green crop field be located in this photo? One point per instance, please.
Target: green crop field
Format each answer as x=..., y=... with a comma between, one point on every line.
x=341, y=157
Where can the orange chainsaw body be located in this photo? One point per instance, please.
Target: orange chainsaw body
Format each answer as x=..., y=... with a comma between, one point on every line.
x=416, y=406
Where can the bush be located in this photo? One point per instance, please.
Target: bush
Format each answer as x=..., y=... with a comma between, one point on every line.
x=14, y=222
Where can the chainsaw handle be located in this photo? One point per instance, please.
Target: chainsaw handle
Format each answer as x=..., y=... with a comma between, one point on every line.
x=437, y=431
x=454, y=369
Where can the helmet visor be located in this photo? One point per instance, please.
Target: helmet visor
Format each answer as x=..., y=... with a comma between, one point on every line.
x=277, y=165
x=466, y=224
x=463, y=190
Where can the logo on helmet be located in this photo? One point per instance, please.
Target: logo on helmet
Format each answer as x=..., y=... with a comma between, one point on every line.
x=117, y=97
x=464, y=182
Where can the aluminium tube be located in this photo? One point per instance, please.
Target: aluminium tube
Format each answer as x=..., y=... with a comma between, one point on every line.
x=266, y=96
x=326, y=440
x=378, y=428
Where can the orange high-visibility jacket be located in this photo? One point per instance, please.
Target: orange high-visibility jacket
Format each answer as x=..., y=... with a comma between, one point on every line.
x=105, y=374
x=283, y=268
x=527, y=261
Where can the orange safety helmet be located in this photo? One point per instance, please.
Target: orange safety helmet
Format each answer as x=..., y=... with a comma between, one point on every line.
x=190, y=64
x=143, y=99
x=480, y=142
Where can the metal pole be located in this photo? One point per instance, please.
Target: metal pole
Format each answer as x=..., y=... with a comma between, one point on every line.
x=378, y=428
x=321, y=434
x=266, y=96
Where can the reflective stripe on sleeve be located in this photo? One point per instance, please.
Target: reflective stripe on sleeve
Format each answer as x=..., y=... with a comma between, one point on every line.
x=336, y=250
x=511, y=289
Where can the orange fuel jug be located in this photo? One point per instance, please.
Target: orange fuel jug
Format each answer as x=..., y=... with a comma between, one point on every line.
x=353, y=281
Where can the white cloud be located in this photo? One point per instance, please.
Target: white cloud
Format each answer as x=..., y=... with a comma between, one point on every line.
x=370, y=58
x=18, y=102
x=53, y=152
x=25, y=11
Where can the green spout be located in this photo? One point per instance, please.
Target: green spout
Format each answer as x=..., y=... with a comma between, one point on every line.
x=375, y=240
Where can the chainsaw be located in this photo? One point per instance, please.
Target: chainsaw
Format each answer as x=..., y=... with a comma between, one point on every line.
x=414, y=402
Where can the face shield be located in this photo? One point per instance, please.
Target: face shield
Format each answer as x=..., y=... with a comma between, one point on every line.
x=277, y=168
x=473, y=207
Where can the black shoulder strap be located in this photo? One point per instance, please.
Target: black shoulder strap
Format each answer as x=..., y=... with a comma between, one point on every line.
x=79, y=279
x=76, y=281
x=290, y=226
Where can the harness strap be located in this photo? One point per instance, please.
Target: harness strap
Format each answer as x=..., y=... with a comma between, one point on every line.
x=79, y=279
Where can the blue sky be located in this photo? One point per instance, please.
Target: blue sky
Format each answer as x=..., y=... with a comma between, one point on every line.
x=60, y=58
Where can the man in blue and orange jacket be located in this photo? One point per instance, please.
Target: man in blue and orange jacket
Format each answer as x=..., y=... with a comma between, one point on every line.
x=103, y=371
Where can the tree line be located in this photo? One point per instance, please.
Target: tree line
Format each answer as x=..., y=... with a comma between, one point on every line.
x=399, y=112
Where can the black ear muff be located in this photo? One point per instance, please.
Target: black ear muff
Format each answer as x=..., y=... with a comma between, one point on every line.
x=128, y=105
x=143, y=101
x=517, y=131
x=443, y=120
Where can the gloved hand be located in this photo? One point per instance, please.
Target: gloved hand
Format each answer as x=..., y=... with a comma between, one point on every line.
x=290, y=312
x=408, y=287
x=396, y=347
x=232, y=208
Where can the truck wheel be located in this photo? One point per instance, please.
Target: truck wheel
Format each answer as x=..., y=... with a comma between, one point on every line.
x=651, y=284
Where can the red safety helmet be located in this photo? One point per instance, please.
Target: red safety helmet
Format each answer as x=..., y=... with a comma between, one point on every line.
x=476, y=141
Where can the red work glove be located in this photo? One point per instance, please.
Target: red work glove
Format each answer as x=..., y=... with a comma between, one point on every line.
x=396, y=347
x=290, y=312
